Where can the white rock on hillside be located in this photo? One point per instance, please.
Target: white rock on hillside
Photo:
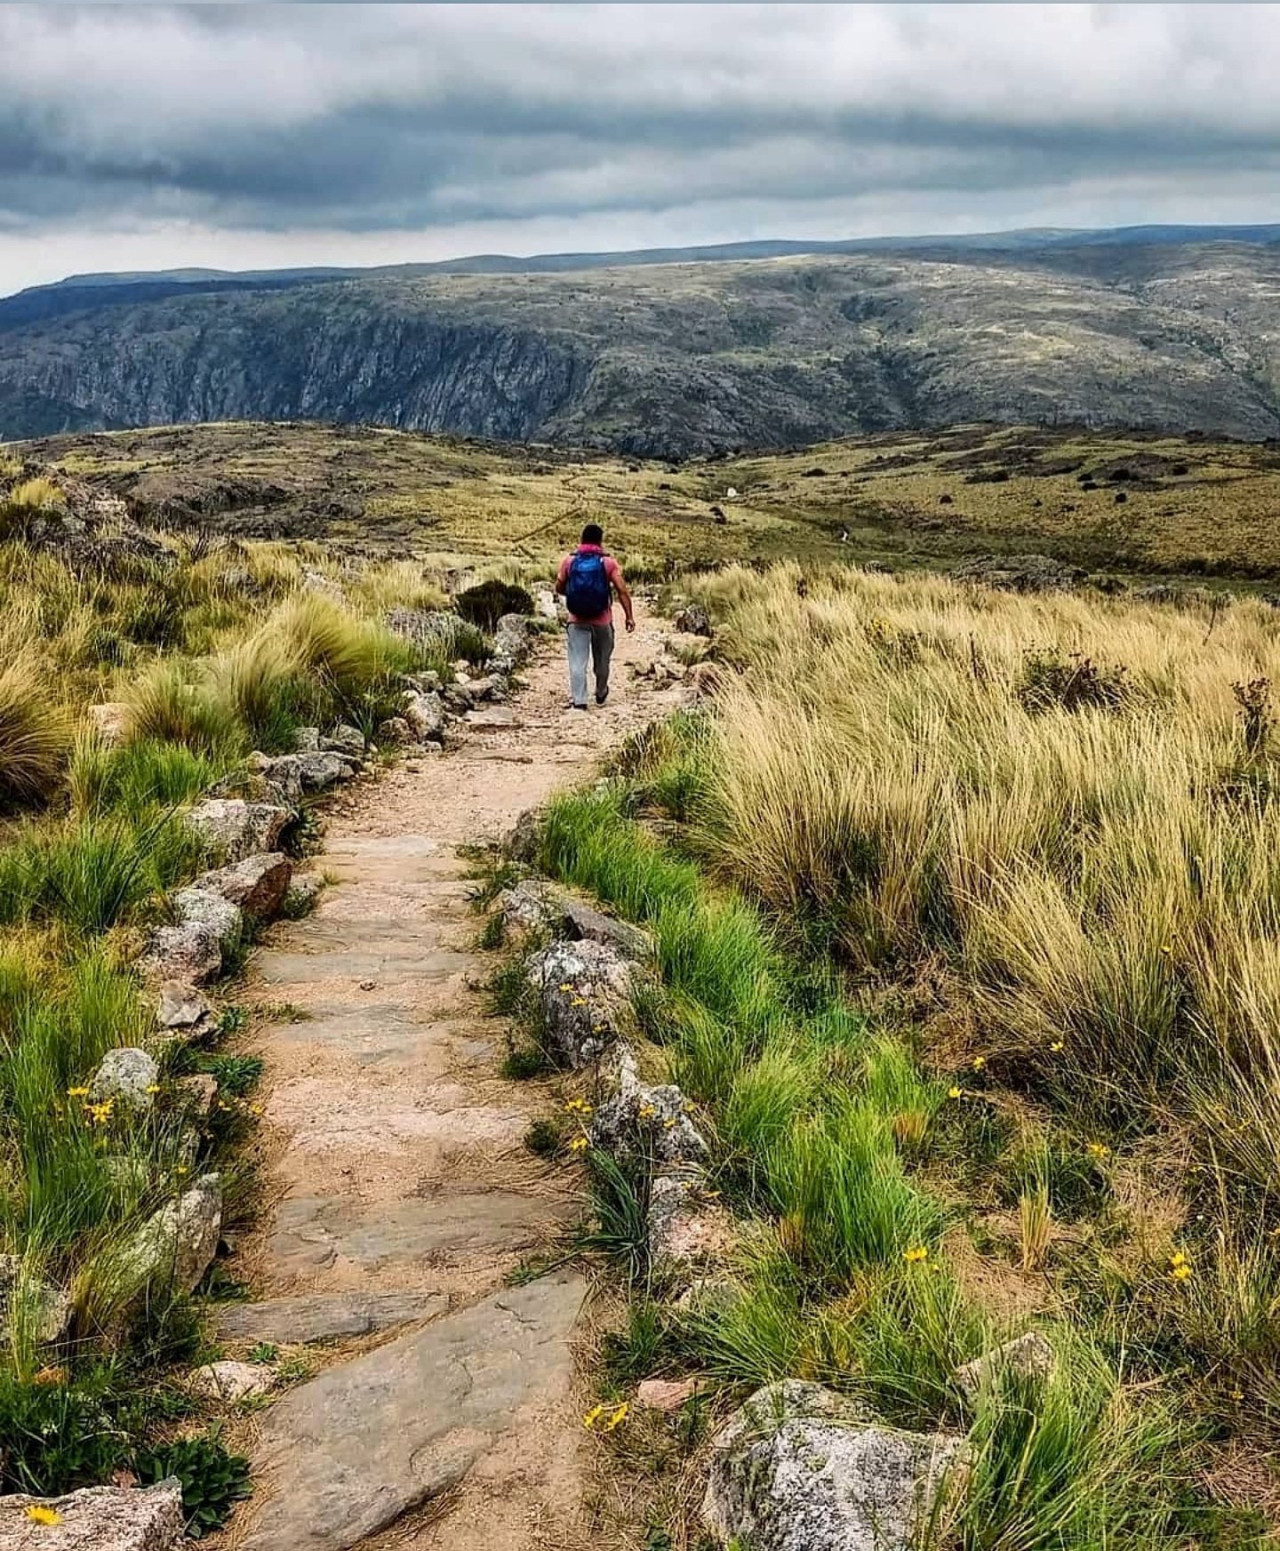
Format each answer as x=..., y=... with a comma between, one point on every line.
x=257, y=885
x=345, y=740
x=233, y=828
x=424, y=712
x=582, y=987
x=686, y=1230
x=183, y=1010
x=97, y=1518
x=176, y=1246
x=190, y=954
x=303, y=893
x=651, y=1121
x=110, y=721
x=799, y=1468
x=537, y=903
x=1029, y=1356
x=231, y=1381
x=199, y=907
x=38, y=1308
x=126, y=1075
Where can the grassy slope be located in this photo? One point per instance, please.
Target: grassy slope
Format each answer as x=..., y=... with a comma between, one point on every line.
x=1049, y=878
x=1191, y=507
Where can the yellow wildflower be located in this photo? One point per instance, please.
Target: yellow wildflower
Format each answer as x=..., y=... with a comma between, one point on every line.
x=1178, y=1258
x=592, y=1417
x=1180, y=1273
x=39, y=1514
x=616, y=1418
x=566, y=986
x=915, y=1256
x=1097, y=1149
x=954, y=1091
x=77, y=1093
x=577, y=1107
x=153, y=1087
x=647, y=1112
x=979, y=1062
x=577, y=1001
x=1057, y=1045
x=578, y=1144
x=669, y=1123
x=99, y=1114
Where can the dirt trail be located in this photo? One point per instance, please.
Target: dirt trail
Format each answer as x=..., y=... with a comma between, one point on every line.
x=400, y=1188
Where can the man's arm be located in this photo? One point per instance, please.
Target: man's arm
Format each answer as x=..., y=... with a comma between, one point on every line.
x=624, y=598
x=561, y=576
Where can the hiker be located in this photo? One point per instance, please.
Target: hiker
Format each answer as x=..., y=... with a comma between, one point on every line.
x=587, y=581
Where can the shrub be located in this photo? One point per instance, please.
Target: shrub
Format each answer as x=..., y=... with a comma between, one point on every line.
x=34, y=735
x=56, y=1436
x=213, y=1480
x=166, y=705
x=138, y=775
x=485, y=604
x=1071, y=681
x=30, y=499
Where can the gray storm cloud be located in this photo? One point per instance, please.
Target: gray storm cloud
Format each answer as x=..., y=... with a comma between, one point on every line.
x=653, y=121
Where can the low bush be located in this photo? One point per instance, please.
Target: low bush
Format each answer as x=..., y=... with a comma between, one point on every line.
x=485, y=604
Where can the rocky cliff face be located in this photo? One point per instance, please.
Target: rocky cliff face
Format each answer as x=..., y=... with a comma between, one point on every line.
x=681, y=359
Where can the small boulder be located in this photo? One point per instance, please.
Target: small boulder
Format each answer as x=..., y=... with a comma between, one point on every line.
x=521, y=840
x=234, y=829
x=395, y=732
x=231, y=1381
x=324, y=769
x=653, y=1122
x=537, y=904
x=582, y=987
x=1029, y=1356
x=200, y=907
x=800, y=1468
x=257, y=885
x=345, y=740
x=37, y=1308
x=126, y=1076
x=183, y=1010
x=302, y=895
x=693, y=620
x=424, y=712
x=196, y=1094
x=512, y=642
x=306, y=740
x=110, y=721
x=175, y=1247
x=191, y=954
x=665, y=1394
x=97, y=1518
x=685, y=1229
x=544, y=602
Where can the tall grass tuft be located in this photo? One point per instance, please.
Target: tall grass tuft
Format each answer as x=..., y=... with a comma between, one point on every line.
x=34, y=735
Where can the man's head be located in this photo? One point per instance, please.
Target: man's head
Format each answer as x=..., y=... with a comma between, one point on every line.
x=593, y=533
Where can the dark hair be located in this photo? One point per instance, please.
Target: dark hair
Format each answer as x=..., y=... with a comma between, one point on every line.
x=593, y=533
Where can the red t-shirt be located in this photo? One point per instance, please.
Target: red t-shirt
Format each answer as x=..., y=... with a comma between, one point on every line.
x=611, y=569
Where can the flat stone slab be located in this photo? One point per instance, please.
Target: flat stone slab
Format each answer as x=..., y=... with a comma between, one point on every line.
x=280, y=967
x=96, y=1518
x=349, y=1452
x=313, y=1231
x=326, y=1316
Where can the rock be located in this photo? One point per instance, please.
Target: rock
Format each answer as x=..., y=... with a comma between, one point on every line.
x=234, y=829
x=306, y=740
x=493, y=718
x=538, y=903
x=127, y=1076
x=316, y=581
x=257, y=885
x=345, y=740
x=583, y=987
x=231, y=1381
x=191, y=954
x=665, y=1394
x=395, y=732
x=303, y=893
x=512, y=642
x=325, y=1316
x=424, y=712
x=183, y=1009
x=684, y=1228
x=704, y=680
x=174, y=1248
x=522, y=840
x=1029, y=1355
x=30, y=1307
x=97, y=1518
x=434, y=629
x=197, y=1093
x=1021, y=573
x=110, y=721
x=544, y=602
x=198, y=907
x=650, y=1121
x=364, y=1442
x=693, y=620
x=801, y=1469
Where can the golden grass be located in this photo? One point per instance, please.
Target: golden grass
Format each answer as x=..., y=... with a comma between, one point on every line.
x=1103, y=879
x=34, y=735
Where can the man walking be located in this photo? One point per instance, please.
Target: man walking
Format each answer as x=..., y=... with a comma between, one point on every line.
x=587, y=580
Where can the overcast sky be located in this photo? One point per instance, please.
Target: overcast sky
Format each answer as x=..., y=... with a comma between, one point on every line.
x=249, y=136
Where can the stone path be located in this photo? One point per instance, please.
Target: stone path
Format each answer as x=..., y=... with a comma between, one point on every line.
x=401, y=1193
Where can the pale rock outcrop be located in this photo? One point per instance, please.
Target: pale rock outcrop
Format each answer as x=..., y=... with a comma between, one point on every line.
x=424, y=712
x=344, y=740
x=651, y=1122
x=231, y=1381
x=126, y=1076
x=233, y=828
x=1029, y=1356
x=183, y=1012
x=303, y=892
x=190, y=954
x=800, y=1468
x=537, y=904
x=97, y=1518
x=198, y=907
x=686, y=1229
x=582, y=988
x=257, y=885
x=38, y=1308
x=175, y=1247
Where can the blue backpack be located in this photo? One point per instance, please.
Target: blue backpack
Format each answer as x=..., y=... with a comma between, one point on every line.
x=586, y=588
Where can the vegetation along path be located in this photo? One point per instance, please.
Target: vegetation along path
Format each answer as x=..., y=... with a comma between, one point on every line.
x=399, y=1195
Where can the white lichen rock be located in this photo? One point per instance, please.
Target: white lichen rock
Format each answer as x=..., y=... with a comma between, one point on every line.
x=537, y=904
x=800, y=1468
x=1029, y=1356
x=183, y=1011
x=654, y=1122
x=302, y=895
x=127, y=1076
x=231, y=1381
x=256, y=885
x=30, y=1307
x=686, y=1229
x=96, y=1518
x=201, y=907
x=190, y=954
x=175, y=1247
x=424, y=712
x=232, y=828
x=582, y=988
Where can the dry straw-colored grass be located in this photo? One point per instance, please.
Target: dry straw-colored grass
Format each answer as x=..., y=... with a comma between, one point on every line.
x=1106, y=878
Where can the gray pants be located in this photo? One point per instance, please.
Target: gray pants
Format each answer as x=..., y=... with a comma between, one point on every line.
x=596, y=642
